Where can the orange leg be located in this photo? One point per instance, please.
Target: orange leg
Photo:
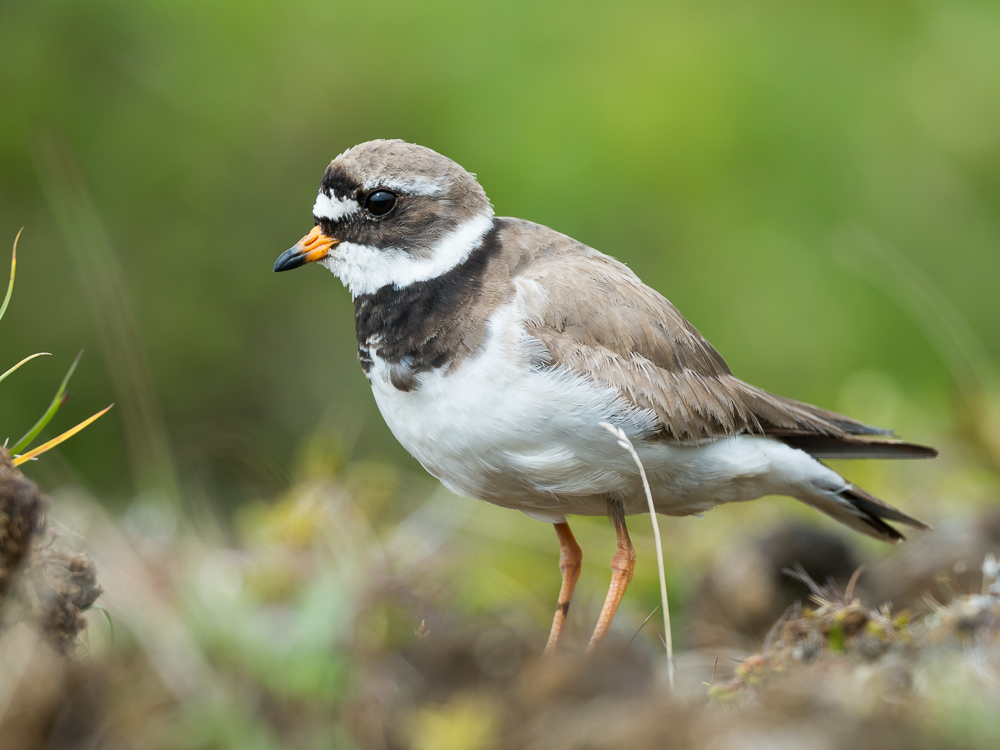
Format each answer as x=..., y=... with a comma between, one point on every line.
x=570, y=558
x=622, y=565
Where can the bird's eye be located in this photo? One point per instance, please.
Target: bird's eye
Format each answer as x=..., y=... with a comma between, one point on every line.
x=380, y=203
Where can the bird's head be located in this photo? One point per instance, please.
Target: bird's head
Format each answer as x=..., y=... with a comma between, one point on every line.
x=392, y=213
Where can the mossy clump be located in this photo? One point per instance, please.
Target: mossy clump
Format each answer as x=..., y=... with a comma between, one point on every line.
x=40, y=584
x=838, y=628
x=22, y=519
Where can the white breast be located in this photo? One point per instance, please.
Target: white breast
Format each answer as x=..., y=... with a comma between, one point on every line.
x=503, y=429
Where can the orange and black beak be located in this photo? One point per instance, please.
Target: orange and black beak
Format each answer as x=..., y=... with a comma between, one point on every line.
x=314, y=246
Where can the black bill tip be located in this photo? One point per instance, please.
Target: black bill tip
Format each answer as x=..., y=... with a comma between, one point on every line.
x=293, y=257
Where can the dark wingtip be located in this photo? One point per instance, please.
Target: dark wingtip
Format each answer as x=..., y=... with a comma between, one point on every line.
x=858, y=446
x=916, y=450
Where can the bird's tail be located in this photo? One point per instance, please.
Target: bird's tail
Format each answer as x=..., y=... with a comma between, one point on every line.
x=862, y=511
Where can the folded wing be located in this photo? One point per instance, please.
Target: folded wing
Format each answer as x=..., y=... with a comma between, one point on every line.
x=596, y=317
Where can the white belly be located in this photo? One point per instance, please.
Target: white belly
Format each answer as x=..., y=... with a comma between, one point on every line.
x=500, y=430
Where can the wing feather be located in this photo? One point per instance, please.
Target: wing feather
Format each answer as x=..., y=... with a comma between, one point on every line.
x=595, y=317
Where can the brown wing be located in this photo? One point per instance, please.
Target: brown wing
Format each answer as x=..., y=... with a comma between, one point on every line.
x=597, y=318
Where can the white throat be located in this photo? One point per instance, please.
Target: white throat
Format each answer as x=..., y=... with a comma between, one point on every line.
x=365, y=269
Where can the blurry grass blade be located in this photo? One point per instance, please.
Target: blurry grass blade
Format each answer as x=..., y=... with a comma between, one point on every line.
x=57, y=401
x=924, y=301
x=56, y=440
x=107, y=615
x=963, y=352
x=26, y=359
x=78, y=219
x=639, y=629
x=13, y=267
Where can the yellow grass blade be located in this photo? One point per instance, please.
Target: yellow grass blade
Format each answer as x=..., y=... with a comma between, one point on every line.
x=26, y=359
x=13, y=267
x=56, y=440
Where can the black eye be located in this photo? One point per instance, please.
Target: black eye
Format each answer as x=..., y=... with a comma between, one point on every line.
x=380, y=203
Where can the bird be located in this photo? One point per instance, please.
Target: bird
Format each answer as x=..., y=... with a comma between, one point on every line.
x=496, y=347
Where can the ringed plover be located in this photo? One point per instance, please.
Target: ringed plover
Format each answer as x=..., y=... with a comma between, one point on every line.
x=496, y=347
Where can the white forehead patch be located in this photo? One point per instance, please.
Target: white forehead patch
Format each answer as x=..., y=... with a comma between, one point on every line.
x=366, y=269
x=332, y=208
x=417, y=184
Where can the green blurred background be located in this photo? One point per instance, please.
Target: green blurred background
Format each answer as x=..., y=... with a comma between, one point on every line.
x=816, y=186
